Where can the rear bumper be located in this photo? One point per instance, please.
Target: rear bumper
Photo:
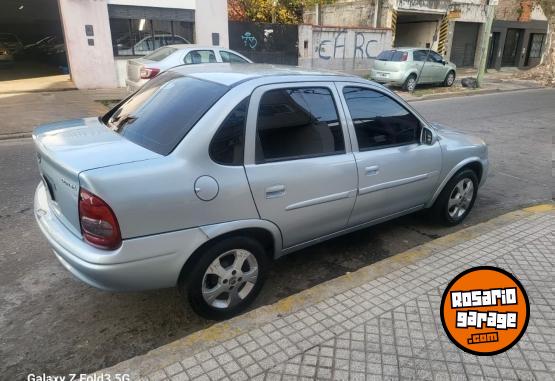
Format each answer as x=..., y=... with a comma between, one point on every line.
x=139, y=264
x=134, y=86
x=393, y=78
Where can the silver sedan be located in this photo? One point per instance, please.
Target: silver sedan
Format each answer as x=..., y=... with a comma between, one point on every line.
x=200, y=179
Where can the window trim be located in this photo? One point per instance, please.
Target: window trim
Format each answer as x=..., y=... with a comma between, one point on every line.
x=252, y=118
x=248, y=100
x=395, y=98
x=246, y=61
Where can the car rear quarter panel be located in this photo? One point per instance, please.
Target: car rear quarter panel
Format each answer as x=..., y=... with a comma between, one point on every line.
x=157, y=196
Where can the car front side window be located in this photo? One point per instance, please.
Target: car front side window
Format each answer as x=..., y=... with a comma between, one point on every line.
x=296, y=123
x=379, y=120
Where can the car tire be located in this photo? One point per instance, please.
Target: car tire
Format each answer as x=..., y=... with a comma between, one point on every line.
x=238, y=258
x=410, y=83
x=449, y=79
x=456, y=199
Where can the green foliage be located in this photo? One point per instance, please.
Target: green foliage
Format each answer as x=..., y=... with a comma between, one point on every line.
x=282, y=11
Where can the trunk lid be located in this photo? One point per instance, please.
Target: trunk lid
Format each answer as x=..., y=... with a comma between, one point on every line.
x=65, y=149
x=388, y=66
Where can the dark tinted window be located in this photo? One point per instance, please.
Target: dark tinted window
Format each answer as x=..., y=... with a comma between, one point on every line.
x=163, y=111
x=379, y=120
x=231, y=58
x=391, y=55
x=419, y=55
x=435, y=57
x=297, y=123
x=228, y=144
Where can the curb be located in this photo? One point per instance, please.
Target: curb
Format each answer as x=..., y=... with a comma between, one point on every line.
x=220, y=332
x=466, y=94
x=16, y=135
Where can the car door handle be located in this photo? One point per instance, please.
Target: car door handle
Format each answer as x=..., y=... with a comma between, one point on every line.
x=372, y=170
x=275, y=191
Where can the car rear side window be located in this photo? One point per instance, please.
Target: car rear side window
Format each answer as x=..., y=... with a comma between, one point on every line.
x=391, y=55
x=380, y=121
x=160, y=54
x=163, y=111
x=297, y=123
x=200, y=57
x=228, y=144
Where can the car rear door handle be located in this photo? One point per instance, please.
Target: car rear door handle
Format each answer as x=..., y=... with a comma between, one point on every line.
x=275, y=191
x=372, y=170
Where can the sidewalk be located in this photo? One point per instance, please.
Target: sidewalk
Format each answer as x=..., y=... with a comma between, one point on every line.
x=382, y=321
x=21, y=112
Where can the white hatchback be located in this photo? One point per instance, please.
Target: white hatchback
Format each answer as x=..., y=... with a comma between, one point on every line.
x=140, y=70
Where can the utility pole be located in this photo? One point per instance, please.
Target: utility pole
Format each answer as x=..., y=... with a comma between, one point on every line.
x=490, y=14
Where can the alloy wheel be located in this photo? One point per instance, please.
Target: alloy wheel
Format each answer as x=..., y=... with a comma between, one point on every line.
x=460, y=198
x=230, y=278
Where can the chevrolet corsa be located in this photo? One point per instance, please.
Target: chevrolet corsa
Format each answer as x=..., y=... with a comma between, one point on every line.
x=201, y=178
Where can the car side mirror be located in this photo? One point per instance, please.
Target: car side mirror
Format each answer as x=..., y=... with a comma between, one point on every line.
x=444, y=62
x=427, y=137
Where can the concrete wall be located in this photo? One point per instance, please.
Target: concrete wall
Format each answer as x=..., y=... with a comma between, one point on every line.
x=347, y=49
x=187, y=4
x=416, y=34
x=211, y=17
x=91, y=66
x=345, y=13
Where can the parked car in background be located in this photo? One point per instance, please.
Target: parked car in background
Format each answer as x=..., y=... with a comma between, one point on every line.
x=202, y=177
x=140, y=70
x=126, y=46
x=11, y=42
x=6, y=57
x=407, y=67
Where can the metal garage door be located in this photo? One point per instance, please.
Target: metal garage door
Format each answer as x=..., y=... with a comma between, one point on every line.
x=463, y=48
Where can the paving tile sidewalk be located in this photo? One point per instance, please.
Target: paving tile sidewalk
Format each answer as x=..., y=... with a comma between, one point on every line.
x=389, y=327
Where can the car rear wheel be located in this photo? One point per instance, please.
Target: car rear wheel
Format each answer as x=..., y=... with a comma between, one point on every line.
x=449, y=79
x=410, y=83
x=456, y=199
x=226, y=279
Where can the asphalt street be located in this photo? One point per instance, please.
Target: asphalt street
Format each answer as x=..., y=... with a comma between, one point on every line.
x=52, y=323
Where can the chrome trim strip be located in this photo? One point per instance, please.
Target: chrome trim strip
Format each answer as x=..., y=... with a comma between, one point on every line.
x=394, y=183
x=322, y=200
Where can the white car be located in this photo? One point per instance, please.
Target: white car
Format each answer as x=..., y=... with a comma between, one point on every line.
x=140, y=70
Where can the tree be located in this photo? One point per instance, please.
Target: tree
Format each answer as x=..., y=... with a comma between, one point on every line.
x=545, y=71
x=280, y=11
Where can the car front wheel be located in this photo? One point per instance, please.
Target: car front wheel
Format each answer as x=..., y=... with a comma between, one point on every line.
x=449, y=79
x=226, y=279
x=457, y=198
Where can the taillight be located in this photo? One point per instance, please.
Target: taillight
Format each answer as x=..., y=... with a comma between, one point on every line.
x=99, y=225
x=149, y=72
x=404, y=57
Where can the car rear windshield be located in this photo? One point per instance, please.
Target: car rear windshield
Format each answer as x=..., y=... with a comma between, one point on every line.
x=163, y=111
x=160, y=54
x=391, y=55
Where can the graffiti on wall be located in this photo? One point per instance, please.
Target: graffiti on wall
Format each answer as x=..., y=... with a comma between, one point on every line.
x=362, y=47
x=347, y=49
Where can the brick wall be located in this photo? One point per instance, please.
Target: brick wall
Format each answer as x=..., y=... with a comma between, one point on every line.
x=514, y=10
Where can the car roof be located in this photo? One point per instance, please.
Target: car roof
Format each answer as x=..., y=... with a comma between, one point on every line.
x=194, y=46
x=230, y=74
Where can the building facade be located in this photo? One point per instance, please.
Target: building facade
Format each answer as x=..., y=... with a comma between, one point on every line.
x=101, y=35
x=454, y=28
